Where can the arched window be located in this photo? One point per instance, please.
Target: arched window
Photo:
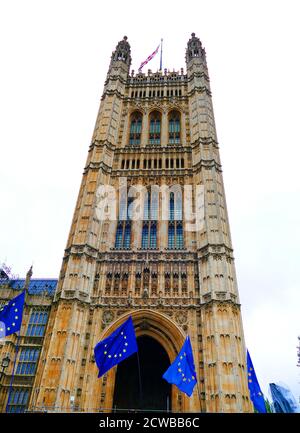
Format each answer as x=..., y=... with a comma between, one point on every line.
x=135, y=128
x=149, y=230
x=147, y=205
x=145, y=235
x=154, y=203
x=27, y=361
x=174, y=127
x=119, y=236
x=154, y=128
x=171, y=236
x=179, y=236
x=153, y=235
x=172, y=206
x=17, y=401
x=175, y=230
x=127, y=236
x=123, y=232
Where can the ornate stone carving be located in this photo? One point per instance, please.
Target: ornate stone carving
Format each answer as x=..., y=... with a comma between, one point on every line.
x=144, y=325
x=181, y=317
x=108, y=316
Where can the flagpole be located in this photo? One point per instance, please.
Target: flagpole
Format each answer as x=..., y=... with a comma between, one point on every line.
x=13, y=372
x=199, y=395
x=161, y=44
x=140, y=379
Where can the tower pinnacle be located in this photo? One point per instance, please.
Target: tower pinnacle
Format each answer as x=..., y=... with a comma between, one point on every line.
x=122, y=52
x=28, y=278
x=194, y=49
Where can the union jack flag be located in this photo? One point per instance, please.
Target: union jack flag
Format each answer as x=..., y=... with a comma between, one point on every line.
x=148, y=58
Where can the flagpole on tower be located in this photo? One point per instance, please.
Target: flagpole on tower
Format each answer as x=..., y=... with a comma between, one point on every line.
x=161, y=44
x=140, y=378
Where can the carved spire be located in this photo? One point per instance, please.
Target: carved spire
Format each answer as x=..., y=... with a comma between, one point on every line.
x=122, y=52
x=28, y=278
x=194, y=49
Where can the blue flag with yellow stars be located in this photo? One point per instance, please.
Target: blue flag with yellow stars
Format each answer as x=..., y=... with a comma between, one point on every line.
x=115, y=348
x=182, y=372
x=11, y=315
x=255, y=392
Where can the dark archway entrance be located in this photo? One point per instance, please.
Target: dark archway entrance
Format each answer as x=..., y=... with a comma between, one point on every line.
x=156, y=392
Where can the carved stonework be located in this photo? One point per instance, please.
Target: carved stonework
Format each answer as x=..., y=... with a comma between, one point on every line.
x=144, y=325
x=138, y=107
x=181, y=317
x=108, y=316
x=171, y=280
x=173, y=105
x=169, y=313
x=155, y=106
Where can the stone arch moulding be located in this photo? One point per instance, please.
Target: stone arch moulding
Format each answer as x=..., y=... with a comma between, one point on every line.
x=174, y=107
x=137, y=107
x=164, y=330
x=156, y=107
x=154, y=324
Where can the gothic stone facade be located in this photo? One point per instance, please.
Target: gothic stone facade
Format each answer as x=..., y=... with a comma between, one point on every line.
x=15, y=389
x=152, y=129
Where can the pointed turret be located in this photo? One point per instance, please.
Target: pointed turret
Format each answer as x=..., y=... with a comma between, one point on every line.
x=120, y=59
x=28, y=278
x=194, y=50
x=122, y=52
x=196, y=65
x=119, y=67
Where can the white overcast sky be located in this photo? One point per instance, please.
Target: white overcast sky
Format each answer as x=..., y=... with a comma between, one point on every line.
x=54, y=58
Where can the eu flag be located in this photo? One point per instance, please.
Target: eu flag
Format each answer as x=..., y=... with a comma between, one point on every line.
x=182, y=372
x=254, y=388
x=115, y=348
x=11, y=315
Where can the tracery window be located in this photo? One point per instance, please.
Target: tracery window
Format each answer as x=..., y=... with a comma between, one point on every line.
x=123, y=233
x=18, y=400
x=28, y=361
x=175, y=229
x=174, y=127
x=135, y=128
x=149, y=230
x=155, y=127
x=37, y=323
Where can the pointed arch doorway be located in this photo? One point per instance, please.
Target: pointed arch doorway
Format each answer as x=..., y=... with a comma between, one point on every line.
x=156, y=392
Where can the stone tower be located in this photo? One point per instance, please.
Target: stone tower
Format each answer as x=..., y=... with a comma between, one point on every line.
x=154, y=152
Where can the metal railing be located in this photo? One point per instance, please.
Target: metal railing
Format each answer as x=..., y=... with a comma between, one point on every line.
x=58, y=409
